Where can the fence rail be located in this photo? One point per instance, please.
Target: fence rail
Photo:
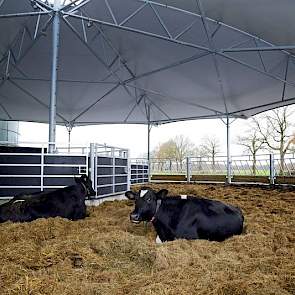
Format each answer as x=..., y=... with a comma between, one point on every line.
x=265, y=165
x=28, y=168
x=139, y=171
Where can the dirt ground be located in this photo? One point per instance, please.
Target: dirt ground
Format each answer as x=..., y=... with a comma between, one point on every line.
x=106, y=254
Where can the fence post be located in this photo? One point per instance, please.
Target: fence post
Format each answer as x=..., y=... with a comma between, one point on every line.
x=188, y=170
x=271, y=169
x=128, y=171
x=149, y=164
x=114, y=170
x=229, y=170
x=42, y=169
x=91, y=169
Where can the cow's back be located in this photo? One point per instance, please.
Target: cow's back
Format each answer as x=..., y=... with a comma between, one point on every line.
x=216, y=220
x=198, y=218
x=68, y=202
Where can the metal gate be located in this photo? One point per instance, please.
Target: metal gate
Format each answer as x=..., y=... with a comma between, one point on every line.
x=139, y=171
x=32, y=169
x=111, y=173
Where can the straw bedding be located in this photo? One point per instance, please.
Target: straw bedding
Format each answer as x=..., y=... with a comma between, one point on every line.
x=106, y=254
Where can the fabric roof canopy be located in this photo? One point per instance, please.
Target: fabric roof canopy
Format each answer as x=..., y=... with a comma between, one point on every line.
x=138, y=61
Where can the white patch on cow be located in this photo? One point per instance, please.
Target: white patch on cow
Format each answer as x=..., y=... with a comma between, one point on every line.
x=143, y=192
x=158, y=240
x=183, y=197
x=16, y=201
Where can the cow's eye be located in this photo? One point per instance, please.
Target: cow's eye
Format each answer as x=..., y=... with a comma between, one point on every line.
x=149, y=200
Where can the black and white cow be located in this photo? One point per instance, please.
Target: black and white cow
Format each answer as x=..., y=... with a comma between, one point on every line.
x=68, y=202
x=185, y=217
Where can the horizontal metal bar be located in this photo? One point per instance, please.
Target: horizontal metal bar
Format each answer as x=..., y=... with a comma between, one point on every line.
x=105, y=196
x=117, y=166
x=20, y=165
x=130, y=29
x=273, y=104
x=19, y=186
x=23, y=14
x=111, y=185
x=62, y=80
x=261, y=48
x=38, y=175
x=111, y=175
x=20, y=175
x=20, y=154
x=77, y=6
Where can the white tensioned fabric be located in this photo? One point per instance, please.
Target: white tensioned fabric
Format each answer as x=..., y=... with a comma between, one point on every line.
x=137, y=61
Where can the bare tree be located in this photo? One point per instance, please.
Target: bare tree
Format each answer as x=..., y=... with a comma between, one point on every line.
x=252, y=141
x=210, y=147
x=175, y=149
x=184, y=147
x=164, y=151
x=275, y=127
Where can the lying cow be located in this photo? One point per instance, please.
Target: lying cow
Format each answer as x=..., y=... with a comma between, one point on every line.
x=68, y=202
x=184, y=217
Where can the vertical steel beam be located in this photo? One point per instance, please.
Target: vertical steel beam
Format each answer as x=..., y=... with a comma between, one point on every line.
x=42, y=169
x=128, y=170
x=228, y=155
x=149, y=151
x=113, y=170
x=69, y=128
x=92, y=168
x=149, y=141
x=54, y=72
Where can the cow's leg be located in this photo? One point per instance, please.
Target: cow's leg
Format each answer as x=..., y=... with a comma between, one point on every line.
x=158, y=240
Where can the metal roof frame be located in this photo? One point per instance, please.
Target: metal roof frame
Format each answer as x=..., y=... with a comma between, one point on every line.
x=147, y=102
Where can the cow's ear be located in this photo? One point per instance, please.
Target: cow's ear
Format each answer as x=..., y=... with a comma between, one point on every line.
x=162, y=194
x=130, y=195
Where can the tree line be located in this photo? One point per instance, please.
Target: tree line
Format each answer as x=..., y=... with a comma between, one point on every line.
x=273, y=131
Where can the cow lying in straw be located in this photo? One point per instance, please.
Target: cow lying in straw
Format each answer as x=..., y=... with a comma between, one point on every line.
x=185, y=217
x=68, y=202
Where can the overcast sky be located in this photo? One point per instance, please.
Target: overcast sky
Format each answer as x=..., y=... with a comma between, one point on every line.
x=134, y=137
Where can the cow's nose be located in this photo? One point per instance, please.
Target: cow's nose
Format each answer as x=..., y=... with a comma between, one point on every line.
x=134, y=217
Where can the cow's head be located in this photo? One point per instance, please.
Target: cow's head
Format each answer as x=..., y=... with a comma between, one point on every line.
x=145, y=203
x=87, y=184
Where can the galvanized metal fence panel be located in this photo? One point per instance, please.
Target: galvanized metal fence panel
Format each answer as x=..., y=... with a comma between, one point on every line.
x=29, y=172
x=139, y=171
x=244, y=165
x=111, y=170
x=33, y=169
x=164, y=166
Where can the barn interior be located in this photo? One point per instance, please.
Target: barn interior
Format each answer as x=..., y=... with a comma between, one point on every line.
x=85, y=62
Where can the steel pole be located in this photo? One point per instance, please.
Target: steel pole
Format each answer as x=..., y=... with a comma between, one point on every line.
x=228, y=156
x=92, y=170
x=69, y=138
x=149, y=152
x=54, y=72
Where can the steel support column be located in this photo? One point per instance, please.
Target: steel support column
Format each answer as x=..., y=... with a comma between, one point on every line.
x=69, y=129
x=54, y=72
x=92, y=168
x=149, y=150
x=228, y=155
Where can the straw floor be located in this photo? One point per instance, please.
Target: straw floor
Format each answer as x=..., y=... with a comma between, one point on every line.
x=106, y=254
